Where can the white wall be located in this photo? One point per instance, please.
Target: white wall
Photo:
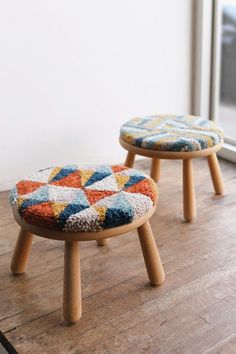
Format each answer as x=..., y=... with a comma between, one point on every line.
x=72, y=71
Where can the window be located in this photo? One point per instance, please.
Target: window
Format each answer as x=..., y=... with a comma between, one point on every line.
x=227, y=68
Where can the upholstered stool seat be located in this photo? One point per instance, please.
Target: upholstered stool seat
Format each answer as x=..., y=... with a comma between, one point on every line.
x=171, y=133
x=175, y=137
x=76, y=198
x=79, y=203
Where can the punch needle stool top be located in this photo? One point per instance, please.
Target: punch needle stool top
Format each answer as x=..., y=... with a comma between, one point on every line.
x=175, y=137
x=79, y=203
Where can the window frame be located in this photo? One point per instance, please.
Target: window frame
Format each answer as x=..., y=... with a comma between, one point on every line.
x=206, y=74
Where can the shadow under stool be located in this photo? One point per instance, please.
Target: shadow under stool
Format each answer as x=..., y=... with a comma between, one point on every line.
x=80, y=203
x=169, y=137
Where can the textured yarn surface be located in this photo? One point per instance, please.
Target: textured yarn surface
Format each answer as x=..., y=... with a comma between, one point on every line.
x=84, y=198
x=171, y=133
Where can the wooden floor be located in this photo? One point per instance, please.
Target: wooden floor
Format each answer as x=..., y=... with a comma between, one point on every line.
x=194, y=311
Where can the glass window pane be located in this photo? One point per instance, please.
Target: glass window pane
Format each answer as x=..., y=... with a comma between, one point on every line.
x=227, y=109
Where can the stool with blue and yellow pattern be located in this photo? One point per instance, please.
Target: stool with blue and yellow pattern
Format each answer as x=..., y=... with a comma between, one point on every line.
x=175, y=137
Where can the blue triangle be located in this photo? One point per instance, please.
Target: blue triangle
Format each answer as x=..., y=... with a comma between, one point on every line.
x=97, y=176
x=80, y=198
x=41, y=194
x=133, y=180
x=104, y=168
x=68, y=211
x=64, y=172
x=13, y=195
x=120, y=202
x=116, y=217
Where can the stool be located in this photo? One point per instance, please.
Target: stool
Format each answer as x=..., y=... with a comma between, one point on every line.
x=175, y=137
x=80, y=203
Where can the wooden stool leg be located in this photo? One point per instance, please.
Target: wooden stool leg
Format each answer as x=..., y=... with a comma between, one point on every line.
x=188, y=191
x=102, y=242
x=216, y=174
x=129, y=162
x=155, y=169
x=21, y=252
x=150, y=253
x=72, y=308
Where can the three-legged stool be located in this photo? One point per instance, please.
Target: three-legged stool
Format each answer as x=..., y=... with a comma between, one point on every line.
x=175, y=137
x=81, y=203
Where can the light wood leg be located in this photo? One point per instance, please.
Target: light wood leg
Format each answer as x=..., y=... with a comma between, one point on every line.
x=155, y=169
x=129, y=162
x=102, y=242
x=216, y=174
x=21, y=252
x=72, y=308
x=150, y=253
x=188, y=191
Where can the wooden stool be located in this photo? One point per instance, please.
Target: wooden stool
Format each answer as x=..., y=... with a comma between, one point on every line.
x=81, y=203
x=175, y=137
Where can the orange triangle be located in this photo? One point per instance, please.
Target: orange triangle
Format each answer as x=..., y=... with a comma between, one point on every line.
x=26, y=187
x=118, y=168
x=144, y=187
x=73, y=181
x=94, y=196
x=40, y=214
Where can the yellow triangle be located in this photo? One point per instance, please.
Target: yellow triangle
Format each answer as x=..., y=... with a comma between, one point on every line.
x=20, y=201
x=54, y=173
x=121, y=180
x=58, y=208
x=101, y=212
x=85, y=175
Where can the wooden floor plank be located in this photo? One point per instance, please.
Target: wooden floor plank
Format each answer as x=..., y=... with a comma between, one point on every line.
x=192, y=312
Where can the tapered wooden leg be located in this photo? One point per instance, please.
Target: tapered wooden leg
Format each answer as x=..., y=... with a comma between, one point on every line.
x=21, y=252
x=155, y=169
x=102, y=242
x=129, y=162
x=216, y=174
x=72, y=308
x=188, y=191
x=150, y=253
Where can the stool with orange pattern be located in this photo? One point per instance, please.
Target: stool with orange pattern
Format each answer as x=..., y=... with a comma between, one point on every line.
x=79, y=203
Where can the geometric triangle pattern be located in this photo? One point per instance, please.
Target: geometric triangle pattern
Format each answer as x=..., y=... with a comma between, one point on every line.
x=172, y=133
x=84, y=197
